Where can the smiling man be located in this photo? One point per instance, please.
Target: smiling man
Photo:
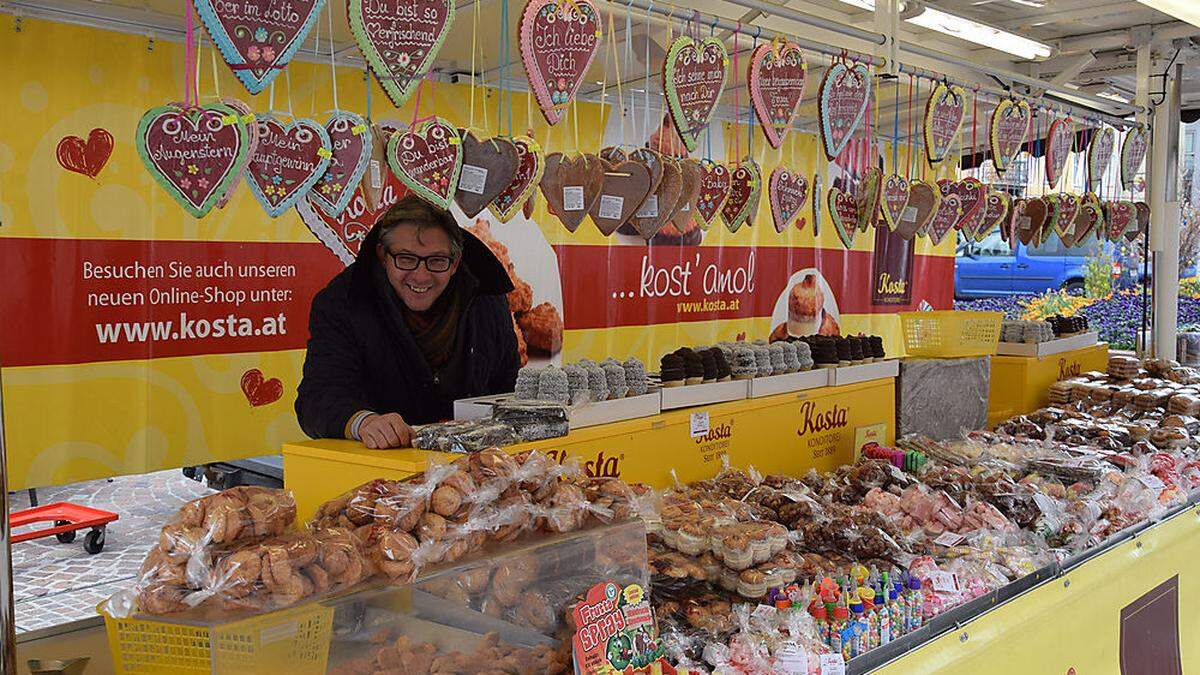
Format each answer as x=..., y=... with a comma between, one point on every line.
x=418, y=320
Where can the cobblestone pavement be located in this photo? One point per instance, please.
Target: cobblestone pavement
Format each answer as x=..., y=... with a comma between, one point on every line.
x=54, y=583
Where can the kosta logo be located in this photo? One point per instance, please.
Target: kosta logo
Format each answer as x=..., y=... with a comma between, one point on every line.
x=600, y=467
x=813, y=420
x=716, y=433
x=1068, y=368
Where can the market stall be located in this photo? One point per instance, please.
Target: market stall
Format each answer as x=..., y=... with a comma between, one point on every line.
x=1020, y=383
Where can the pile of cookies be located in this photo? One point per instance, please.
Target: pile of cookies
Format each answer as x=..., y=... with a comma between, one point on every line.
x=1027, y=332
x=583, y=381
x=833, y=351
x=392, y=652
x=733, y=361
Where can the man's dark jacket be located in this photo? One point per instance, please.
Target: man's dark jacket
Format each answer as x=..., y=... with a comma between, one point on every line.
x=361, y=355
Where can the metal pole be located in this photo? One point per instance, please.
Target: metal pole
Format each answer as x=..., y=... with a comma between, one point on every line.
x=1164, y=210
x=1141, y=340
x=8, y=619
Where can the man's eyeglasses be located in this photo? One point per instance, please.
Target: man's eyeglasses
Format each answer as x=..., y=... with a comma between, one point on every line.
x=408, y=262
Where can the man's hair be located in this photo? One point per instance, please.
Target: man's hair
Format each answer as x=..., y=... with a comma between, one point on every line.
x=412, y=210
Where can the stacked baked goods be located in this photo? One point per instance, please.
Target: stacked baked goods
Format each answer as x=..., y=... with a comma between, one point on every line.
x=1027, y=332
x=583, y=381
x=733, y=360
x=829, y=351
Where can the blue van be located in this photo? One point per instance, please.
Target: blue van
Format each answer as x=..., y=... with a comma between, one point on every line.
x=991, y=269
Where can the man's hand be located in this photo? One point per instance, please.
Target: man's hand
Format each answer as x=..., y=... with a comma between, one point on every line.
x=385, y=431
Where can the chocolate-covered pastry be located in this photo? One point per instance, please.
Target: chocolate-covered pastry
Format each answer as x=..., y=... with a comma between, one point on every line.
x=724, y=373
x=855, y=349
x=842, y=345
x=710, y=366
x=671, y=370
x=877, y=347
x=693, y=367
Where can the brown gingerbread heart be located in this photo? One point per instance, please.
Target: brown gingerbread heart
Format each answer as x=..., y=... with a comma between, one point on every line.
x=685, y=208
x=660, y=204
x=923, y=201
x=1029, y=229
x=652, y=159
x=1143, y=221
x=625, y=187
x=488, y=166
x=571, y=186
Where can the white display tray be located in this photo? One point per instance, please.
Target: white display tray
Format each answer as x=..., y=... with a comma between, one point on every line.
x=579, y=416
x=1041, y=349
x=689, y=395
x=865, y=371
x=782, y=384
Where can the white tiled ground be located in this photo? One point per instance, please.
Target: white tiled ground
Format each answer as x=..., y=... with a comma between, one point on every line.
x=55, y=583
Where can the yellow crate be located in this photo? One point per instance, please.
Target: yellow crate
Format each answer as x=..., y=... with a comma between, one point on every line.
x=950, y=334
x=293, y=641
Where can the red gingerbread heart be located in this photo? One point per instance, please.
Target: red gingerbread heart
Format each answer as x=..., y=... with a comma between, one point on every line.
x=947, y=215
x=787, y=191
x=715, y=181
x=558, y=42
x=777, y=78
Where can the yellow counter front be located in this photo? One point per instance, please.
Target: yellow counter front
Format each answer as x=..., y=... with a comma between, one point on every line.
x=1020, y=383
x=789, y=433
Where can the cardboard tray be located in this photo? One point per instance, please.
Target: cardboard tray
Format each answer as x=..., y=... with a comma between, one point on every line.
x=782, y=384
x=1041, y=349
x=690, y=395
x=579, y=416
x=864, y=372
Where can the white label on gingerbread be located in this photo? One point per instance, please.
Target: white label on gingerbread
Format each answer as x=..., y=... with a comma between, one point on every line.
x=687, y=206
x=909, y=215
x=699, y=424
x=573, y=198
x=949, y=539
x=472, y=179
x=1152, y=482
x=376, y=174
x=649, y=208
x=611, y=206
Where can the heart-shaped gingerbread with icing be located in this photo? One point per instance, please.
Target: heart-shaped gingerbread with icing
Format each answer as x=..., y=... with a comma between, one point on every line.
x=1121, y=216
x=894, y=199
x=777, y=76
x=400, y=39
x=1009, y=128
x=715, y=181
x=787, y=192
x=571, y=186
x=530, y=166
x=1133, y=153
x=427, y=160
x=841, y=104
x=352, y=145
x=945, y=218
x=745, y=188
x=870, y=193
x=1099, y=154
x=558, y=41
x=1059, y=140
x=995, y=215
x=944, y=114
x=289, y=160
x=693, y=79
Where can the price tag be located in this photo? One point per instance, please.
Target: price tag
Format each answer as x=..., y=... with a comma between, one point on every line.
x=1152, y=482
x=649, y=208
x=573, y=198
x=909, y=214
x=833, y=664
x=790, y=659
x=949, y=539
x=376, y=174
x=699, y=424
x=472, y=179
x=686, y=207
x=944, y=582
x=1024, y=222
x=611, y=206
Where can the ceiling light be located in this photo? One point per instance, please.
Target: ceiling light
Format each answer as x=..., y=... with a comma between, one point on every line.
x=1184, y=10
x=980, y=34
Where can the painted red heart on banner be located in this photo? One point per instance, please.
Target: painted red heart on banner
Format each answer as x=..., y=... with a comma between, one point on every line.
x=258, y=390
x=943, y=117
x=400, y=39
x=843, y=210
x=841, y=103
x=351, y=140
x=530, y=165
x=1120, y=216
x=745, y=188
x=693, y=79
x=558, y=42
x=85, y=157
x=194, y=153
x=870, y=193
x=923, y=201
x=995, y=215
x=972, y=196
x=778, y=75
x=289, y=160
x=1059, y=140
x=1064, y=208
x=1099, y=154
x=1133, y=153
x=1010, y=124
x=787, y=192
x=428, y=160
x=895, y=199
x=715, y=181
x=343, y=234
x=257, y=38
x=945, y=218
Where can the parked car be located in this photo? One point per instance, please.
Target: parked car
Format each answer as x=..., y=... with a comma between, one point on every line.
x=990, y=268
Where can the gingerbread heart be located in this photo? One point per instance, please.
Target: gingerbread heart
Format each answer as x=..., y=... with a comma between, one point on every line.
x=745, y=188
x=843, y=210
x=400, y=39
x=488, y=167
x=870, y=191
x=1010, y=124
x=558, y=42
x=947, y=215
x=1087, y=219
x=1133, y=153
x=614, y=154
x=344, y=234
x=923, y=201
x=289, y=160
x=653, y=213
x=895, y=199
x=995, y=215
x=1143, y=221
x=1099, y=154
x=787, y=191
x=571, y=186
x=378, y=174
x=1063, y=209
x=943, y=117
x=625, y=187
x=1008, y=231
x=693, y=79
x=972, y=196
x=715, y=181
x=653, y=161
x=1121, y=216
x=1059, y=140
x=1033, y=220
x=841, y=104
x=777, y=76
x=351, y=142
x=530, y=165
x=428, y=160
x=685, y=209
x=248, y=118
x=258, y=38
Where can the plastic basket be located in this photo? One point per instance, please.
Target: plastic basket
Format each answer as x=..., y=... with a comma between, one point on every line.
x=950, y=334
x=293, y=641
